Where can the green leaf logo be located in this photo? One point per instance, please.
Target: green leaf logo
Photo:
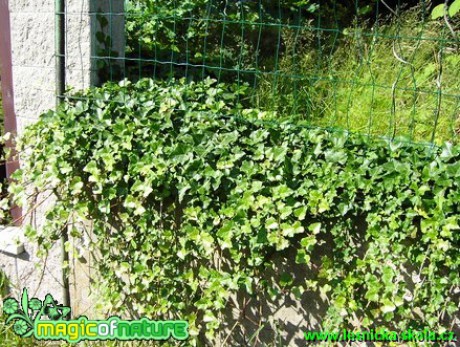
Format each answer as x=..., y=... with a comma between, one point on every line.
x=27, y=312
x=10, y=306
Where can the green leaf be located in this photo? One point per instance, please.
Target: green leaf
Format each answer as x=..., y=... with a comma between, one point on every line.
x=438, y=11
x=302, y=257
x=315, y=228
x=454, y=8
x=286, y=279
x=25, y=302
x=103, y=21
x=271, y=224
x=100, y=36
x=291, y=230
x=388, y=306
x=301, y=212
x=372, y=295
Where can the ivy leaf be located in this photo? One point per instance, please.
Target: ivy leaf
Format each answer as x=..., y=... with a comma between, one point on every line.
x=315, y=228
x=271, y=224
x=372, y=294
x=291, y=230
x=388, y=306
x=209, y=317
x=438, y=11
x=286, y=279
x=454, y=8
x=302, y=257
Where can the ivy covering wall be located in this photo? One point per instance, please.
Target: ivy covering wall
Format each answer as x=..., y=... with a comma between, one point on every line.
x=190, y=198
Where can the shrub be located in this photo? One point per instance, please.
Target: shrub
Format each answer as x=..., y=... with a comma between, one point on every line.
x=191, y=199
x=224, y=39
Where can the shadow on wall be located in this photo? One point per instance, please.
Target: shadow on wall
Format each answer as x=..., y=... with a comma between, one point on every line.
x=261, y=320
x=281, y=319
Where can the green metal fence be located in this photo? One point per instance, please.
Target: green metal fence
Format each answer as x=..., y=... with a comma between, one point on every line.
x=387, y=68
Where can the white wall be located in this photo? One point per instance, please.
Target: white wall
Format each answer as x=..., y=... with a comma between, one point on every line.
x=33, y=60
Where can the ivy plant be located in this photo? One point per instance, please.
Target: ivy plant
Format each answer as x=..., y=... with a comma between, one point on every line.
x=190, y=199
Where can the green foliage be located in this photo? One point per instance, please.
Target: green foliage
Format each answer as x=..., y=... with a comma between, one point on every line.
x=10, y=339
x=400, y=80
x=191, y=199
x=107, y=67
x=201, y=33
x=441, y=10
x=5, y=216
x=353, y=65
x=223, y=39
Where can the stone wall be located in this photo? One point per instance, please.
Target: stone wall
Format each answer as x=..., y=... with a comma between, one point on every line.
x=34, y=87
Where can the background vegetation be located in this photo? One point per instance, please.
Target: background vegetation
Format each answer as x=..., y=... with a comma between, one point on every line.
x=379, y=68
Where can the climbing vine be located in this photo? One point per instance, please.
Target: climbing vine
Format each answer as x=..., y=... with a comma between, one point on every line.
x=191, y=198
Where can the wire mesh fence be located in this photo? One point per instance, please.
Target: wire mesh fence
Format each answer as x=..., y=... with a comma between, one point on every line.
x=386, y=68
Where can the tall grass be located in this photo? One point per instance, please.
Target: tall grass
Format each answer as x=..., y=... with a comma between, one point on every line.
x=398, y=79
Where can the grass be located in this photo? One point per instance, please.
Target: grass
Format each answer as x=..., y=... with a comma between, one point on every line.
x=397, y=77
x=400, y=79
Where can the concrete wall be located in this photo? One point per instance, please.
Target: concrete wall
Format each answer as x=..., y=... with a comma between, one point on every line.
x=33, y=68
